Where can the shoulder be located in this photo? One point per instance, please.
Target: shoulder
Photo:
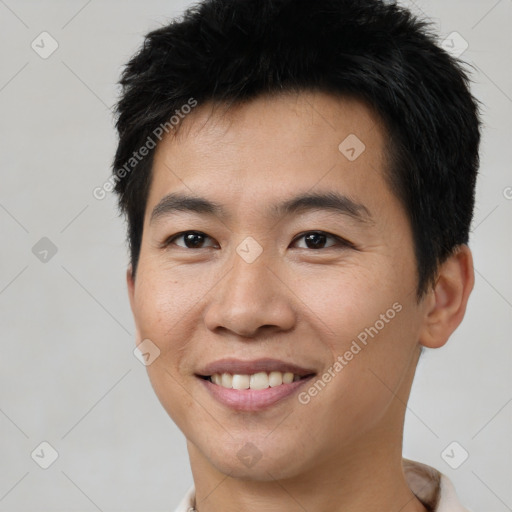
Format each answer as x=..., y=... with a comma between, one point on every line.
x=187, y=502
x=431, y=487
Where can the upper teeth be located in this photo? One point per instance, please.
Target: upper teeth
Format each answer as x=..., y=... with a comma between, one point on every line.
x=260, y=380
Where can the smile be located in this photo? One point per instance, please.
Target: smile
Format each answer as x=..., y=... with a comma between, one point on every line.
x=253, y=385
x=256, y=390
x=260, y=380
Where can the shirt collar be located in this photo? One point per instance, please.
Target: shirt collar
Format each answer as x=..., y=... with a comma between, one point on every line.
x=431, y=487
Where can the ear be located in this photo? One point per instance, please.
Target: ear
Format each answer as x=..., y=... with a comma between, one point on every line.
x=446, y=303
x=130, y=285
x=130, y=281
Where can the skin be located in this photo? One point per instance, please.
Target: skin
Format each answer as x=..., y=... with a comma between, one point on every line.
x=342, y=450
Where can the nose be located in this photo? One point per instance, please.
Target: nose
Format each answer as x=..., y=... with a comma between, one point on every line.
x=249, y=299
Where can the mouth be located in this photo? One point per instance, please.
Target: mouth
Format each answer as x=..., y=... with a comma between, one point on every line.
x=257, y=381
x=256, y=374
x=253, y=385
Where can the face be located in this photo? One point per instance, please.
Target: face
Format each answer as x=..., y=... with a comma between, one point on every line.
x=291, y=253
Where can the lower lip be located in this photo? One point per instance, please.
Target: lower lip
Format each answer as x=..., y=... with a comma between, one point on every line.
x=251, y=400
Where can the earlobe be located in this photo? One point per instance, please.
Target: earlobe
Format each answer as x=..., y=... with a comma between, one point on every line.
x=446, y=304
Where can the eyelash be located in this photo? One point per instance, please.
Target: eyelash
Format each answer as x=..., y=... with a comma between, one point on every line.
x=341, y=242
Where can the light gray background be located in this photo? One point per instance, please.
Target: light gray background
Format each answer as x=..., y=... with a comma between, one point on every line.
x=68, y=374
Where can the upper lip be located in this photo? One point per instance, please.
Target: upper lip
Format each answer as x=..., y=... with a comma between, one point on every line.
x=240, y=367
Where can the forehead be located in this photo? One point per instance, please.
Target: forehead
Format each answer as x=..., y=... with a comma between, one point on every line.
x=272, y=145
x=305, y=120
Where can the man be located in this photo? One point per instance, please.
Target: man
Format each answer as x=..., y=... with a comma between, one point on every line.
x=298, y=179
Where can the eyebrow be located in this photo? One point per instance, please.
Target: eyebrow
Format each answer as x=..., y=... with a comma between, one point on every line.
x=328, y=201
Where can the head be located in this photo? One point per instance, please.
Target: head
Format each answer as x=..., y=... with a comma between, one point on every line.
x=243, y=106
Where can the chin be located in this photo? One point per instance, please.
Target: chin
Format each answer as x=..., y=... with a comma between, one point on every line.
x=250, y=460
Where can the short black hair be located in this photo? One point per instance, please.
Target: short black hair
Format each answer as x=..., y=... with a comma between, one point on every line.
x=231, y=51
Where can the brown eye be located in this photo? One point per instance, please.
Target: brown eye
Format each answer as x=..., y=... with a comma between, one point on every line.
x=190, y=240
x=320, y=240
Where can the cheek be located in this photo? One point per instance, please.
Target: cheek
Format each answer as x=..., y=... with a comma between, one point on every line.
x=163, y=304
x=164, y=300
x=167, y=309
x=344, y=301
x=161, y=316
x=367, y=317
x=368, y=382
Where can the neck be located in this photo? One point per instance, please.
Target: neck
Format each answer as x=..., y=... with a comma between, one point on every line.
x=365, y=475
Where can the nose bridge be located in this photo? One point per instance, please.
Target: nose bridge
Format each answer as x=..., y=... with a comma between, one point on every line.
x=250, y=295
x=246, y=281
